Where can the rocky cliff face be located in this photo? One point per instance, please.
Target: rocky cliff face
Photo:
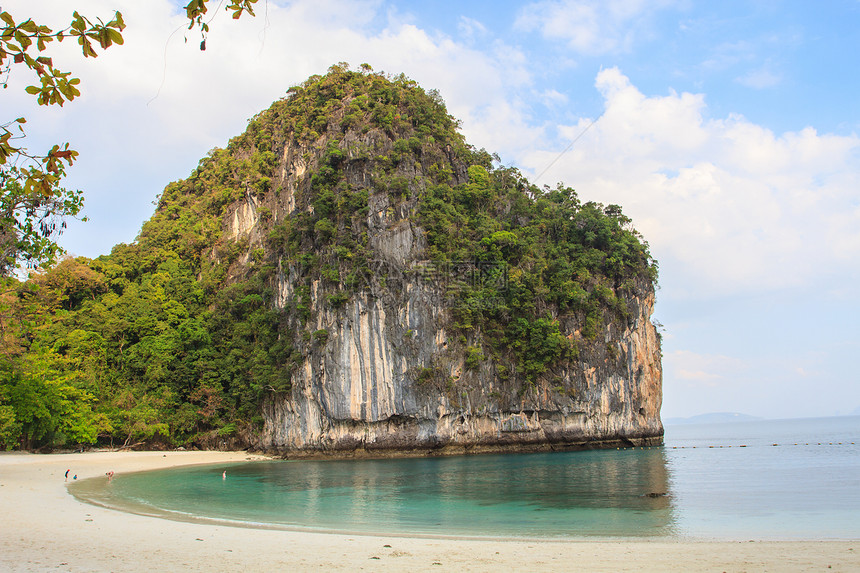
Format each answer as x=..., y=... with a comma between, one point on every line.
x=359, y=393
x=388, y=367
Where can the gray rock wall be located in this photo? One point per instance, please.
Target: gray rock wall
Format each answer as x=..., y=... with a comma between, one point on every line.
x=359, y=392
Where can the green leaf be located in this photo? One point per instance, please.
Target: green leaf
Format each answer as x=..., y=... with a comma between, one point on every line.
x=32, y=90
x=23, y=40
x=117, y=23
x=103, y=39
x=78, y=24
x=87, y=48
x=115, y=36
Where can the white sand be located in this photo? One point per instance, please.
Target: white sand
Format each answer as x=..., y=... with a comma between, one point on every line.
x=44, y=528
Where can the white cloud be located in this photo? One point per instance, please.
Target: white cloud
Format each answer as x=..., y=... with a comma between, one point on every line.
x=590, y=26
x=553, y=98
x=471, y=29
x=730, y=54
x=733, y=206
x=699, y=375
x=760, y=78
x=696, y=369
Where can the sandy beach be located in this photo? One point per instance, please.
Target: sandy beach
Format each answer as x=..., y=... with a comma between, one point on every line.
x=45, y=528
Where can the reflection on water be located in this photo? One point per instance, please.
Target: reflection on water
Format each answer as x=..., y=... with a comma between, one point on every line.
x=790, y=479
x=592, y=493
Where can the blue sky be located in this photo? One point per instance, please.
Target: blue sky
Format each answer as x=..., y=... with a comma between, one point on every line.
x=727, y=130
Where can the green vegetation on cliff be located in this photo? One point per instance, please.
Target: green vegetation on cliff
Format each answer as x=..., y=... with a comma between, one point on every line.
x=177, y=338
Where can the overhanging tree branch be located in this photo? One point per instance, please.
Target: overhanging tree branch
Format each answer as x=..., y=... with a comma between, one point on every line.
x=33, y=205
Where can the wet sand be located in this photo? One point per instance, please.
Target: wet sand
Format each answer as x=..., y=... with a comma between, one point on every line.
x=44, y=528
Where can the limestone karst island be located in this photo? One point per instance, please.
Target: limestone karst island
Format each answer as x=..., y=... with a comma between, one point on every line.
x=346, y=277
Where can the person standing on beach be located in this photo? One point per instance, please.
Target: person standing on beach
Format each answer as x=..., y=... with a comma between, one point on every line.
x=109, y=475
x=67, y=474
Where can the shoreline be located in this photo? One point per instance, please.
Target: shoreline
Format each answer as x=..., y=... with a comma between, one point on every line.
x=471, y=449
x=46, y=527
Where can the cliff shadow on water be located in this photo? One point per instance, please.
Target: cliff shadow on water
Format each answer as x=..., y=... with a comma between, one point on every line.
x=350, y=277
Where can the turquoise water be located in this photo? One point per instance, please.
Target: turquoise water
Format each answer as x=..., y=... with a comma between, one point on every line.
x=759, y=491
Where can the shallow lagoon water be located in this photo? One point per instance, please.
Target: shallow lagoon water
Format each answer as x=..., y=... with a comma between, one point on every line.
x=713, y=487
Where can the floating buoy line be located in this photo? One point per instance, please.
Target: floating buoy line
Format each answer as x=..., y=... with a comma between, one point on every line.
x=740, y=446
